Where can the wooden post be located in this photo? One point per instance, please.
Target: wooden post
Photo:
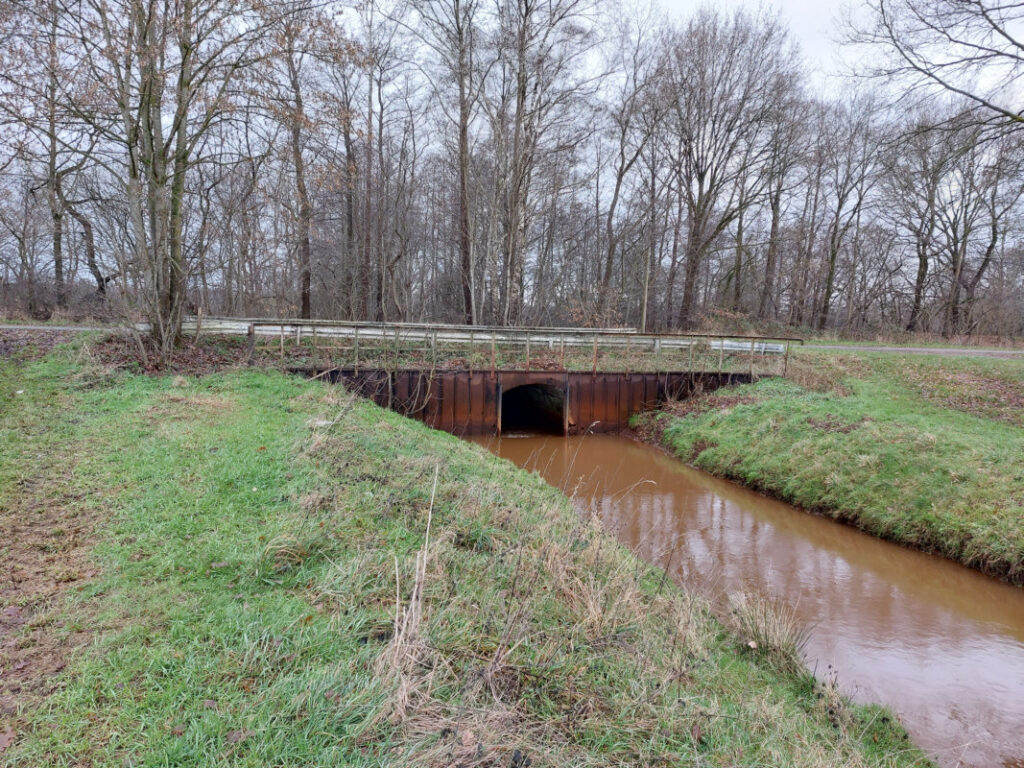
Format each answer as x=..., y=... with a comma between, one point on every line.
x=565, y=406
x=199, y=326
x=251, y=344
x=498, y=397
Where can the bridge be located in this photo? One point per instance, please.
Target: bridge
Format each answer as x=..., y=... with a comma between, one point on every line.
x=495, y=380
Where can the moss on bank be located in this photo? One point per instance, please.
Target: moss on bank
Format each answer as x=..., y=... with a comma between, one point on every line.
x=292, y=576
x=925, y=451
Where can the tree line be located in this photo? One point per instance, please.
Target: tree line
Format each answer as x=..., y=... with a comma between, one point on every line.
x=508, y=162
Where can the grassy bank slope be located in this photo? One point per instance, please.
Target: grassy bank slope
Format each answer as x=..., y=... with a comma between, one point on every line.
x=923, y=450
x=254, y=535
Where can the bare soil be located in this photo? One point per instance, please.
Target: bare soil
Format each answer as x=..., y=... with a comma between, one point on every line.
x=45, y=551
x=208, y=355
x=30, y=344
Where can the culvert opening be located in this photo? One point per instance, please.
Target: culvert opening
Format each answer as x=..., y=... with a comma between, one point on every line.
x=533, y=408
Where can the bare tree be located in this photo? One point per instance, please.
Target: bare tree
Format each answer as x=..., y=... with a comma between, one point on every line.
x=727, y=74
x=849, y=152
x=450, y=30
x=634, y=112
x=153, y=81
x=971, y=48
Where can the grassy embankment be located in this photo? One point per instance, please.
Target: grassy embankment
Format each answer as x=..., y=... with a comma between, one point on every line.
x=925, y=450
x=279, y=584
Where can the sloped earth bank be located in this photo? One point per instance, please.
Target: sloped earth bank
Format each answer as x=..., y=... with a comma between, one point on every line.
x=939, y=643
x=285, y=575
x=926, y=451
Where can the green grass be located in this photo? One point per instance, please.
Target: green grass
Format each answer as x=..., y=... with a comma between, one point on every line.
x=926, y=451
x=256, y=535
x=914, y=341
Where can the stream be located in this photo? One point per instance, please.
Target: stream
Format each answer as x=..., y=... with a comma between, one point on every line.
x=939, y=644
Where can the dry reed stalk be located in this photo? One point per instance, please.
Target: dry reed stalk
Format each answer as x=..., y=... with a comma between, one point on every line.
x=405, y=649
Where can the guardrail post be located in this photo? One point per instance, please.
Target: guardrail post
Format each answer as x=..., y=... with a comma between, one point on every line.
x=593, y=370
x=251, y=344
x=721, y=355
x=527, y=350
x=751, y=359
x=433, y=349
x=494, y=351
x=282, y=342
x=355, y=347
x=561, y=350
x=785, y=362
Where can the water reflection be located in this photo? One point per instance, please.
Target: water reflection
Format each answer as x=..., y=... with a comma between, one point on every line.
x=940, y=644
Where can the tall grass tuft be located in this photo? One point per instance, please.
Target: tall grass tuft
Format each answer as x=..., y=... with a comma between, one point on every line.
x=769, y=629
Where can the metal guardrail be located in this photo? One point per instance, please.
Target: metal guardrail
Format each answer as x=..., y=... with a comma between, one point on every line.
x=360, y=340
x=461, y=334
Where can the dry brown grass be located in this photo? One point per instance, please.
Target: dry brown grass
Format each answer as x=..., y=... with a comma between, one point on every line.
x=821, y=372
x=406, y=661
x=770, y=629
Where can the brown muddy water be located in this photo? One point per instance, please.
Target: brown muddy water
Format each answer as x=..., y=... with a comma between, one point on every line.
x=941, y=645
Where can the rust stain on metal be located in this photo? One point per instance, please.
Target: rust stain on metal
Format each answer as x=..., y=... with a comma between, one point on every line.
x=470, y=402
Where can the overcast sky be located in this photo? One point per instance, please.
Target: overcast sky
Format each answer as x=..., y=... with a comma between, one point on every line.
x=814, y=24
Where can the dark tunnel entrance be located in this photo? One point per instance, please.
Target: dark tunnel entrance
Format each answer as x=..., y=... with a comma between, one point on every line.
x=533, y=408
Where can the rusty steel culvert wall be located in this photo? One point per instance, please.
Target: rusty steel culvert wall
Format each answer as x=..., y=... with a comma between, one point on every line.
x=493, y=402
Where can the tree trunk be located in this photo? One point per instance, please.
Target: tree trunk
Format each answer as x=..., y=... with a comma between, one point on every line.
x=913, y=324
x=767, y=297
x=305, y=207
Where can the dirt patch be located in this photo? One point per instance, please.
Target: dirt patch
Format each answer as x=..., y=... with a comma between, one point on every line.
x=179, y=406
x=46, y=545
x=832, y=424
x=208, y=355
x=30, y=344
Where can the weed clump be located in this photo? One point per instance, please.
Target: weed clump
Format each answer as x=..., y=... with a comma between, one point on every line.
x=769, y=629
